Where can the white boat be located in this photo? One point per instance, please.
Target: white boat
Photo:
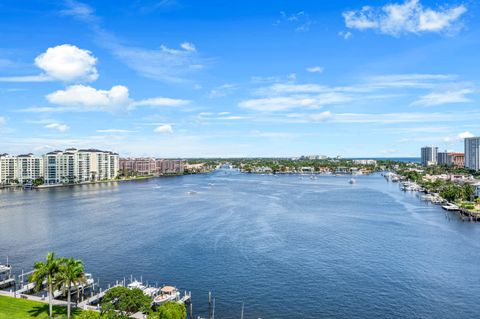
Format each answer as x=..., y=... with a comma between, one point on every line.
x=89, y=281
x=136, y=285
x=167, y=293
x=352, y=181
x=451, y=207
x=151, y=291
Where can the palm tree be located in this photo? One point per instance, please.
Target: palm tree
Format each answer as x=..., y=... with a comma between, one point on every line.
x=45, y=272
x=71, y=274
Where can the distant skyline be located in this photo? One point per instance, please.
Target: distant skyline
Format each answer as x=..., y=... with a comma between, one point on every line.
x=176, y=78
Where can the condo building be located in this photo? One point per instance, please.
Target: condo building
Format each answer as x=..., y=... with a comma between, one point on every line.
x=429, y=155
x=77, y=166
x=451, y=159
x=20, y=169
x=139, y=166
x=472, y=153
x=151, y=166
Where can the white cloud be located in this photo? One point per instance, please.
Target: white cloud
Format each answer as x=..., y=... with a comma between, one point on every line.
x=345, y=34
x=3, y=120
x=465, y=135
x=58, y=127
x=222, y=90
x=160, y=101
x=408, y=17
x=188, y=46
x=315, y=69
x=86, y=98
x=91, y=98
x=282, y=103
x=26, y=78
x=446, y=97
x=300, y=20
x=164, y=64
x=68, y=63
x=64, y=62
x=164, y=129
x=313, y=117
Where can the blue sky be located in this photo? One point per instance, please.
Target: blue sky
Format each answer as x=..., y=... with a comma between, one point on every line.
x=177, y=78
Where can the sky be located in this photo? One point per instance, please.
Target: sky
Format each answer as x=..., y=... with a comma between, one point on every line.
x=273, y=78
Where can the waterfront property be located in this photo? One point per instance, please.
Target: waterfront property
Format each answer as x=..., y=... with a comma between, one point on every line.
x=151, y=166
x=428, y=155
x=243, y=236
x=472, y=153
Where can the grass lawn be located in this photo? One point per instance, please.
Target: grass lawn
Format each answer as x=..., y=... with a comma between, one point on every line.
x=11, y=308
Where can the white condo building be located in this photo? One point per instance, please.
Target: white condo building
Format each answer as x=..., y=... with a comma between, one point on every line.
x=429, y=155
x=21, y=168
x=77, y=166
x=472, y=153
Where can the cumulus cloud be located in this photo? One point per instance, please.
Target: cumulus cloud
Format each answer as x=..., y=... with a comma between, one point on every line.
x=408, y=17
x=68, y=63
x=465, y=135
x=446, y=97
x=58, y=127
x=89, y=97
x=315, y=69
x=64, y=62
x=164, y=129
x=86, y=98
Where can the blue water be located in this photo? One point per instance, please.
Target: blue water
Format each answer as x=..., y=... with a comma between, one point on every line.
x=287, y=247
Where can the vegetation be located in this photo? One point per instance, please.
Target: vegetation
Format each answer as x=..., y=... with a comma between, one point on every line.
x=169, y=310
x=122, y=302
x=71, y=273
x=12, y=308
x=46, y=272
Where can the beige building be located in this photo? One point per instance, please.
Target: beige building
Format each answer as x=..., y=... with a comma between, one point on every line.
x=20, y=169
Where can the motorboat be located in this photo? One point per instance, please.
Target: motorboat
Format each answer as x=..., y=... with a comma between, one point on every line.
x=167, y=293
x=352, y=181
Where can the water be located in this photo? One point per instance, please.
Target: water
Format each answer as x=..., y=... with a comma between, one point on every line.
x=287, y=247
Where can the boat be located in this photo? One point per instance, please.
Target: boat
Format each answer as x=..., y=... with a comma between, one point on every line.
x=167, y=293
x=352, y=181
x=89, y=281
x=136, y=285
x=451, y=207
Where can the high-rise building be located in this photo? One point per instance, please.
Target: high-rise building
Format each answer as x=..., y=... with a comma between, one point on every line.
x=443, y=158
x=20, y=169
x=429, y=155
x=141, y=166
x=78, y=166
x=30, y=168
x=472, y=153
x=8, y=169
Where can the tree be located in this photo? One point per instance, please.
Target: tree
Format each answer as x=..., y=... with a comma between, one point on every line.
x=71, y=273
x=45, y=272
x=124, y=302
x=468, y=191
x=169, y=310
x=88, y=315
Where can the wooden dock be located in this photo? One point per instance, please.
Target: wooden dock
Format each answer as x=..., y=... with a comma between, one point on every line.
x=94, y=299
